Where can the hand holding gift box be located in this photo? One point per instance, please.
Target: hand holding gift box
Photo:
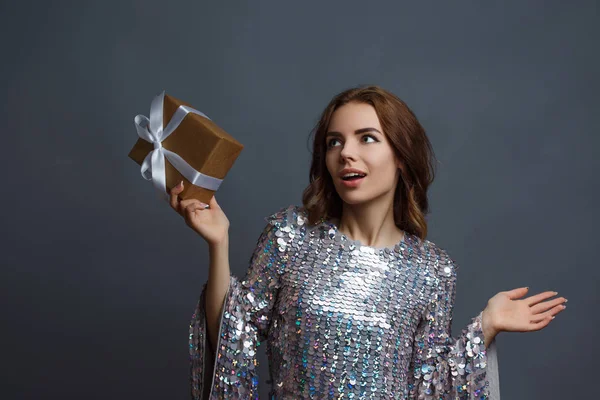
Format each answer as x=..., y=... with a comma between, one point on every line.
x=179, y=143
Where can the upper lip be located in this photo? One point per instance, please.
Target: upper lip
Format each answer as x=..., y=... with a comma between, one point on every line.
x=350, y=170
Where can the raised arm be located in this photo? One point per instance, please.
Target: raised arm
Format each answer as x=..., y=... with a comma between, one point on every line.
x=243, y=321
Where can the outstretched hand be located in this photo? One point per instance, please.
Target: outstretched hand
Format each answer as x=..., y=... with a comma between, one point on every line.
x=509, y=312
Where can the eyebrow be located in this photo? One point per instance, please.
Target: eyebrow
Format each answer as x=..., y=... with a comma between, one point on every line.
x=356, y=132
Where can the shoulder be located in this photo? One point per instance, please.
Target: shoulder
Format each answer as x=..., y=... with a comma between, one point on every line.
x=288, y=224
x=438, y=259
x=290, y=216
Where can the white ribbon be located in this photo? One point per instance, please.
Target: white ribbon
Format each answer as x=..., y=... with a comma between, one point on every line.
x=151, y=130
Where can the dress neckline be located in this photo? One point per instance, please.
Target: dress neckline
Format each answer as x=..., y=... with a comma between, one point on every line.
x=331, y=225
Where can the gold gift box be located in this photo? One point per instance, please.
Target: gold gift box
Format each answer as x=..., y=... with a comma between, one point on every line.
x=200, y=142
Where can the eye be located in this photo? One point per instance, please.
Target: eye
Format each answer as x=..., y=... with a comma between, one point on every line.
x=329, y=144
x=370, y=136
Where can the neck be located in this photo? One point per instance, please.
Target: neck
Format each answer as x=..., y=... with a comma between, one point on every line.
x=372, y=224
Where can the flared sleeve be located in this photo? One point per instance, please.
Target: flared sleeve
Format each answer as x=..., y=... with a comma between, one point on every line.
x=232, y=372
x=443, y=367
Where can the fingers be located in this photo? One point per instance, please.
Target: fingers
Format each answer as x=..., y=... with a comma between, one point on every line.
x=191, y=204
x=539, y=297
x=192, y=208
x=548, y=314
x=174, y=193
x=541, y=324
x=184, y=206
x=546, y=305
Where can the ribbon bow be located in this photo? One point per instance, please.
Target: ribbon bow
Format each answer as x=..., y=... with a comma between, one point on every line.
x=151, y=130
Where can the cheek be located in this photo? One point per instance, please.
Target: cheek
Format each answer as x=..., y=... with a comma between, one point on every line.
x=383, y=164
x=329, y=162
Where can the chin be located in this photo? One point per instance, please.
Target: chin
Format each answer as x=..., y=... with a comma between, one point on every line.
x=354, y=198
x=364, y=196
x=352, y=202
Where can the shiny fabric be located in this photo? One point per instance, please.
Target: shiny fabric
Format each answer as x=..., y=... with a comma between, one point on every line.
x=340, y=321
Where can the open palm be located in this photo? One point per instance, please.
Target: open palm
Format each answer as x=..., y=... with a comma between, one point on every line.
x=510, y=313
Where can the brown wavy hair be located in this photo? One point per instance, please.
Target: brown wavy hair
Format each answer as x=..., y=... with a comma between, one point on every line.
x=410, y=144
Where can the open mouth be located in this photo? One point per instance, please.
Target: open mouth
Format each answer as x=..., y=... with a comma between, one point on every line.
x=353, y=177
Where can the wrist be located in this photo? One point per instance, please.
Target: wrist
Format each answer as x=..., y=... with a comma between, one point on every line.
x=217, y=241
x=219, y=245
x=488, y=326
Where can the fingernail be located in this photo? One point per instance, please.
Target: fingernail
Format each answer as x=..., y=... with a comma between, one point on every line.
x=566, y=300
x=180, y=184
x=553, y=317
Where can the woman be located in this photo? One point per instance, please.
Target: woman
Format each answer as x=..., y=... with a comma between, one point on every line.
x=352, y=299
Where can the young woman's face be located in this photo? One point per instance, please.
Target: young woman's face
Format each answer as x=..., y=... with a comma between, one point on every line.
x=356, y=140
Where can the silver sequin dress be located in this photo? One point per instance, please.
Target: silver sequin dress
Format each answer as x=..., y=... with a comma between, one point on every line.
x=341, y=321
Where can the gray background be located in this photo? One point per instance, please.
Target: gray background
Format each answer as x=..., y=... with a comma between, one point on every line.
x=99, y=278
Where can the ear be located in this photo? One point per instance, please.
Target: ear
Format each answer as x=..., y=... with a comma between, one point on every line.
x=399, y=166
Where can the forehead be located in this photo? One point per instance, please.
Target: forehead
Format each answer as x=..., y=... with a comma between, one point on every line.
x=352, y=116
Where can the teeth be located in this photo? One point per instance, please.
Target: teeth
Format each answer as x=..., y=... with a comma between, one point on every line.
x=352, y=175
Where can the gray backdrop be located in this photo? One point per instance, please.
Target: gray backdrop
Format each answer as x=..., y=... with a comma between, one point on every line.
x=99, y=278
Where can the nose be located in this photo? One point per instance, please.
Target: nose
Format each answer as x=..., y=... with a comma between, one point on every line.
x=348, y=152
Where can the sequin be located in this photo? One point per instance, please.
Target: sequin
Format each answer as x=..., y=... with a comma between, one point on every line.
x=341, y=320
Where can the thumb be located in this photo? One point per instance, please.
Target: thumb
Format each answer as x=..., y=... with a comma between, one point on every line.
x=517, y=293
x=213, y=203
